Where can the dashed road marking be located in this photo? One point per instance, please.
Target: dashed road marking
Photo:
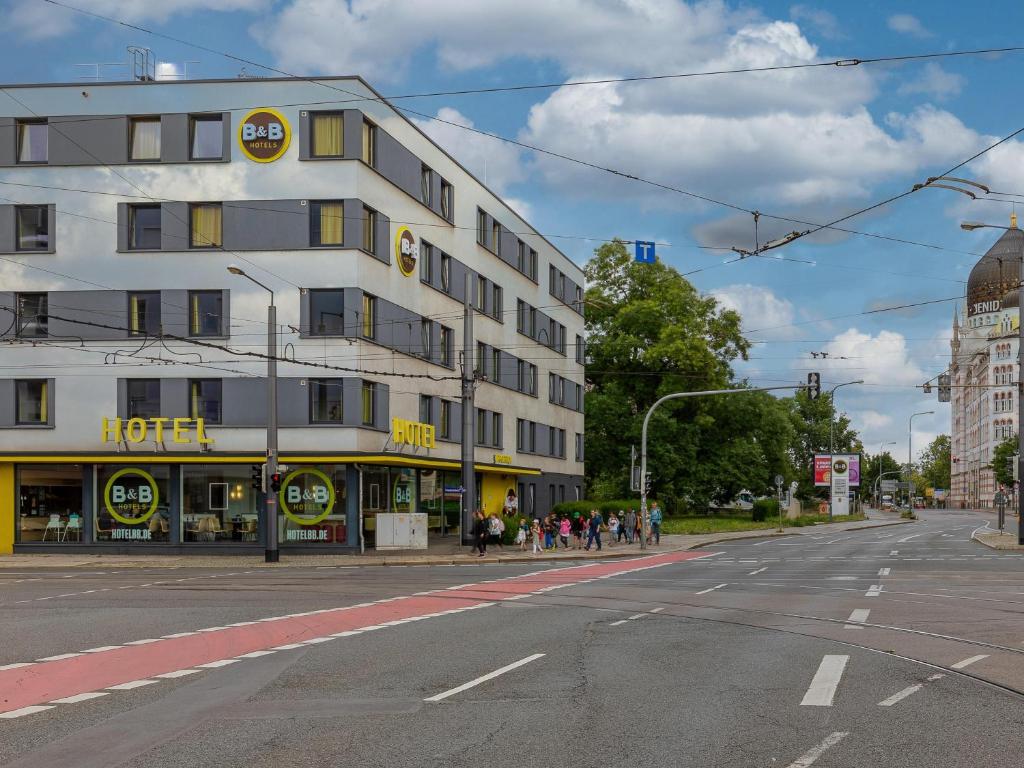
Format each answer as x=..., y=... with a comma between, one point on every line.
x=80, y=697
x=484, y=678
x=811, y=756
x=24, y=711
x=969, y=661
x=883, y=571
x=875, y=591
x=759, y=570
x=711, y=589
x=130, y=685
x=825, y=682
x=858, y=617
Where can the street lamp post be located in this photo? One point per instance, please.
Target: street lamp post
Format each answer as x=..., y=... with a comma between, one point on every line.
x=910, y=457
x=832, y=429
x=271, y=553
x=970, y=226
x=878, y=490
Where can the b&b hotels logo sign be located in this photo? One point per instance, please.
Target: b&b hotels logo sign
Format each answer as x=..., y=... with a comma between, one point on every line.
x=406, y=250
x=264, y=135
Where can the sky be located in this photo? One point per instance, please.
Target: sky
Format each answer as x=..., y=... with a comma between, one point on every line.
x=812, y=144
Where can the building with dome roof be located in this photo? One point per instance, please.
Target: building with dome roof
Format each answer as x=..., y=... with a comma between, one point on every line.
x=984, y=369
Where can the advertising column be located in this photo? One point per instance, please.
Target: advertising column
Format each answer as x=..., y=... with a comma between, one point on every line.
x=840, y=482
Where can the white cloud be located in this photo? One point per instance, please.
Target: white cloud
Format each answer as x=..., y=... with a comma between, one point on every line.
x=757, y=306
x=36, y=20
x=933, y=81
x=495, y=163
x=824, y=22
x=883, y=359
x=906, y=24
x=870, y=420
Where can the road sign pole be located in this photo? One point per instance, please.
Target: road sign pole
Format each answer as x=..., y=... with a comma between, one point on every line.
x=778, y=484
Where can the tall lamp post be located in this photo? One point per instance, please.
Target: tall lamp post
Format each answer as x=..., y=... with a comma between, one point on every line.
x=910, y=457
x=832, y=429
x=881, y=447
x=271, y=554
x=970, y=226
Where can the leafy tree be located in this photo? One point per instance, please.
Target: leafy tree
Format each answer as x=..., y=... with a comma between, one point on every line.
x=811, y=420
x=935, y=462
x=881, y=463
x=650, y=333
x=1001, y=464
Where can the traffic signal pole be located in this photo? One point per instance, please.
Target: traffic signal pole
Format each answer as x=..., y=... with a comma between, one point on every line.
x=644, y=490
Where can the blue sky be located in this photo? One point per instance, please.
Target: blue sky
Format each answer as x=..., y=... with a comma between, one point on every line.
x=811, y=145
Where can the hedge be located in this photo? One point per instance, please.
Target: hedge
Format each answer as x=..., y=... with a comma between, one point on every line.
x=604, y=507
x=763, y=508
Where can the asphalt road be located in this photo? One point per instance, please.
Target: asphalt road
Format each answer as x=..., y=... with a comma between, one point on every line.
x=894, y=646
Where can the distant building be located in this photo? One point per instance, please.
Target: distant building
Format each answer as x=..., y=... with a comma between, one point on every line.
x=983, y=369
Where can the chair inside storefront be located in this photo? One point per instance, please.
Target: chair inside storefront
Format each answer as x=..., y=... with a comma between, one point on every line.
x=209, y=528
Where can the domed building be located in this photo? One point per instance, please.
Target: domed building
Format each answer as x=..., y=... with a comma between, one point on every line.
x=983, y=369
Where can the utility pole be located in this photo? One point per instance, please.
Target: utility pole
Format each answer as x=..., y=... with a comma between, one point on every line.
x=910, y=459
x=468, y=418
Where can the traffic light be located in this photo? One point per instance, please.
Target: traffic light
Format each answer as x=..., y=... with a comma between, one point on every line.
x=647, y=483
x=275, y=482
x=945, y=387
x=813, y=385
x=927, y=388
x=259, y=477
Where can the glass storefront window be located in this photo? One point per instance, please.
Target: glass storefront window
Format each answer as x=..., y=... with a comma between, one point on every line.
x=133, y=503
x=312, y=506
x=374, y=500
x=218, y=504
x=403, y=490
x=439, y=500
x=49, y=503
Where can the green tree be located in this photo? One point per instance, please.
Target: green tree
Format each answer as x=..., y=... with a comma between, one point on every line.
x=811, y=420
x=873, y=466
x=650, y=333
x=935, y=462
x=1002, y=461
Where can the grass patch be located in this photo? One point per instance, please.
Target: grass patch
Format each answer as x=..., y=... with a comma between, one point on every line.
x=720, y=523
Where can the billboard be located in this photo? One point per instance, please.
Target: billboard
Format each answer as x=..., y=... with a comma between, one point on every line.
x=822, y=469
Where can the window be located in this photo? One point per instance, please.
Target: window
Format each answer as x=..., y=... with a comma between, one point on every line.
x=496, y=430
x=579, y=447
x=481, y=292
x=426, y=265
x=552, y=441
x=532, y=272
x=31, y=406
x=496, y=366
x=481, y=426
x=561, y=443
x=144, y=313
x=560, y=339
x=369, y=405
x=369, y=230
x=496, y=302
x=579, y=398
x=206, y=139
x=496, y=237
x=369, y=144
x=561, y=286
x=143, y=398
x=328, y=129
x=33, y=227
x=446, y=273
x=325, y=401
x=531, y=436
x=32, y=315
x=49, y=502
x=425, y=408
x=426, y=185
x=369, y=316
x=552, y=383
x=520, y=434
x=481, y=358
x=446, y=346
x=551, y=279
x=32, y=141
x=481, y=227
x=144, y=138
x=426, y=337
x=447, y=195
x=521, y=257
x=520, y=315
x=206, y=230
x=326, y=312
x=446, y=419
x=327, y=223
x=144, y=227
x=206, y=310
x=579, y=299
x=205, y=399
x=531, y=379
x=580, y=351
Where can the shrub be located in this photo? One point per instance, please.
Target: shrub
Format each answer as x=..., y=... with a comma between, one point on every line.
x=763, y=508
x=604, y=507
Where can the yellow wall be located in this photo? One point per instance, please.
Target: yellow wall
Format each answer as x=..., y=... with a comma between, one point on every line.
x=6, y=509
x=493, y=491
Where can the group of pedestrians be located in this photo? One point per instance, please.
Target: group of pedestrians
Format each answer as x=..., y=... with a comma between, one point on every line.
x=580, y=531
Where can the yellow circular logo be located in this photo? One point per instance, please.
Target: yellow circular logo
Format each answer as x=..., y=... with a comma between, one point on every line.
x=406, y=251
x=307, y=500
x=264, y=135
x=131, y=500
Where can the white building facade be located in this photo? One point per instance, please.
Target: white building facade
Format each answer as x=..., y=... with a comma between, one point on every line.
x=132, y=387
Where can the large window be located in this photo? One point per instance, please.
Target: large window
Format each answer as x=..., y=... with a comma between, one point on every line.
x=481, y=227
x=144, y=227
x=446, y=419
x=205, y=400
x=426, y=337
x=206, y=137
x=446, y=273
x=369, y=402
x=144, y=138
x=206, y=228
x=481, y=292
x=326, y=312
x=32, y=141
x=49, y=501
x=32, y=315
x=447, y=199
x=446, y=346
x=426, y=185
x=133, y=503
x=218, y=504
x=369, y=230
x=206, y=313
x=496, y=430
x=314, y=509
x=369, y=319
x=481, y=426
x=31, y=406
x=328, y=129
x=143, y=398
x=326, y=404
x=426, y=264
x=496, y=311
x=327, y=223
x=33, y=227
x=144, y=313
x=369, y=153
x=496, y=237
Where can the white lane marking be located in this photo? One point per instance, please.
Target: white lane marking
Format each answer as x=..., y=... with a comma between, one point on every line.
x=842, y=578
x=657, y=610
x=617, y=623
x=908, y=538
x=875, y=591
x=759, y=570
x=636, y=616
x=254, y=654
x=215, y=664
x=80, y=697
x=826, y=680
x=898, y=697
x=132, y=684
x=711, y=589
x=59, y=657
x=859, y=616
x=102, y=649
x=485, y=678
x=179, y=634
x=17, y=665
x=883, y=571
x=894, y=552
x=178, y=673
x=143, y=642
x=968, y=662
x=935, y=677
x=23, y=711
x=811, y=756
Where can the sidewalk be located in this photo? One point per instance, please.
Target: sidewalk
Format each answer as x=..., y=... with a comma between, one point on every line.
x=444, y=552
x=1007, y=541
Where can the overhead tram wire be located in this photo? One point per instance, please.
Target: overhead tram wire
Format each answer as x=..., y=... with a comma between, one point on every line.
x=357, y=97
x=854, y=314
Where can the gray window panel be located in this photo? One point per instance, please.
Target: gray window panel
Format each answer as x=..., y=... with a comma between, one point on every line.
x=91, y=307
x=7, y=397
x=174, y=226
x=269, y=225
x=383, y=244
x=7, y=229
x=88, y=140
x=397, y=164
x=174, y=312
x=174, y=138
x=8, y=141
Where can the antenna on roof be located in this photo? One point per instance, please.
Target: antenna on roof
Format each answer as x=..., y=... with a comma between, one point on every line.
x=142, y=64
